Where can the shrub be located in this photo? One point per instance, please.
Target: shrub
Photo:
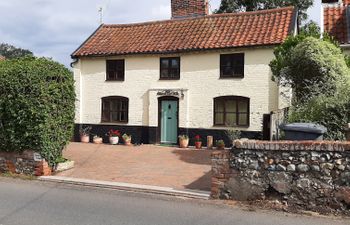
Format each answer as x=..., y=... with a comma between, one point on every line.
x=36, y=106
x=331, y=111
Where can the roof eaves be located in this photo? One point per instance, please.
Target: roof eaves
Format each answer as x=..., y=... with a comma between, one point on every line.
x=180, y=51
x=73, y=55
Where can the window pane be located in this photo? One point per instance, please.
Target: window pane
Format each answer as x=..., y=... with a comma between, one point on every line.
x=164, y=73
x=115, y=116
x=219, y=106
x=227, y=71
x=110, y=75
x=174, y=63
x=173, y=73
x=105, y=105
x=105, y=116
x=123, y=106
x=238, y=70
x=231, y=119
x=230, y=106
x=164, y=63
x=123, y=116
x=243, y=120
x=243, y=106
x=219, y=118
x=115, y=105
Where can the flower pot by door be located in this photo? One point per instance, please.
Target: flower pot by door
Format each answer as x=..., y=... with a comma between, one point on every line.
x=198, y=144
x=127, y=142
x=85, y=138
x=183, y=143
x=113, y=140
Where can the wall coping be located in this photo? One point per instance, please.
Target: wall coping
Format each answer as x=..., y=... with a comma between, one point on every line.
x=333, y=146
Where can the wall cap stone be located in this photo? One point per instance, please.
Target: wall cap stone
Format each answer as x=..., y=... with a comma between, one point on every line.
x=333, y=146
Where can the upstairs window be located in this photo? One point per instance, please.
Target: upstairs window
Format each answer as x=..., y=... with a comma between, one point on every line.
x=170, y=68
x=232, y=65
x=231, y=111
x=115, y=70
x=115, y=109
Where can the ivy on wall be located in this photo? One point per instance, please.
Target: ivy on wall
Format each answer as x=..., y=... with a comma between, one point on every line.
x=36, y=106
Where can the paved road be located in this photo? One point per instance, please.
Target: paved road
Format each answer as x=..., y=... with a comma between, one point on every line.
x=35, y=203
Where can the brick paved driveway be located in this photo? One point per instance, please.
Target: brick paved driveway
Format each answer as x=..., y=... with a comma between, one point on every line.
x=146, y=164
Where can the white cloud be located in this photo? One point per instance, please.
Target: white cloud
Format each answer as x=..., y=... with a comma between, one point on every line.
x=55, y=28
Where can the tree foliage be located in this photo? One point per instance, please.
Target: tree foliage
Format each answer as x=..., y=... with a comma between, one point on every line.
x=11, y=52
x=317, y=71
x=285, y=67
x=331, y=111
x=36, y=106
x=229, y=6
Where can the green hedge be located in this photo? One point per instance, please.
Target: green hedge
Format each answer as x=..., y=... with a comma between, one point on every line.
x=36, y=106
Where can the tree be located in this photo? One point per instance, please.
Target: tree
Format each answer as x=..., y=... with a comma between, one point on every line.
x=229, y=6
x=37, y=106
x=316, y=69
x=307, y=65
x=11, y=52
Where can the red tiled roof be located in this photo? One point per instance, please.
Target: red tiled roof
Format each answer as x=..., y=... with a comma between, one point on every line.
x=2, y=58
x=346, y=2
x=267, y=27
x=335, y=22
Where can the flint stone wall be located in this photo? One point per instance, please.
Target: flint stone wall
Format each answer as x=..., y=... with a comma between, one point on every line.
x=26, y=162
x=306, y=175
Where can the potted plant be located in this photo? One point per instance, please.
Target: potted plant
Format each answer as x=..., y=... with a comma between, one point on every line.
x=127, y=139
x=183, y=141
x=97, y=139
x=220, y=144
x=114, y=137
x=85, y=134
x=198, y=142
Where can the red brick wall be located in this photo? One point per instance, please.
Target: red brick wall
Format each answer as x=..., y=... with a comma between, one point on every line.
x=189, y=8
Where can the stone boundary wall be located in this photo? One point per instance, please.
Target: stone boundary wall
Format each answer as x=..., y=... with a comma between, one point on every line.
x=304, y=175
x=27, y=163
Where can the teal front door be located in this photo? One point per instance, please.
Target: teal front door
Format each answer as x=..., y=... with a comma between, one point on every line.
x=169, y=123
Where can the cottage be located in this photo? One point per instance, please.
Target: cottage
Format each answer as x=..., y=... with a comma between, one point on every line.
x=193, y=74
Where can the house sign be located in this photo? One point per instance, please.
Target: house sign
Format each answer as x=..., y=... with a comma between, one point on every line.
x=171, y=93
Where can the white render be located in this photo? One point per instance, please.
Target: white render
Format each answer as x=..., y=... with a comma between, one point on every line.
x=199, y=83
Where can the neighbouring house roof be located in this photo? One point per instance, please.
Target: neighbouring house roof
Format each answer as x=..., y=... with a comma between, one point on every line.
x=266, y=27
x=2, y=58
x=337, y=21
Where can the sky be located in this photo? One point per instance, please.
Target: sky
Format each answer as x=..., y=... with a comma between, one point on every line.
x=55, y=28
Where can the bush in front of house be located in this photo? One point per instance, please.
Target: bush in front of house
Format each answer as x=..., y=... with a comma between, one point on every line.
x=37, y=106
x=318, y=72
x=332, y=112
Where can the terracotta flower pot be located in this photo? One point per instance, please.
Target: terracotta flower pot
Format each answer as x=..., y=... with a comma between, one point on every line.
x=221, y=147
x=98, y=140
x=127, y=142
x=85, y=138
x=183, y=143
x=198, y=144
x=113, y=140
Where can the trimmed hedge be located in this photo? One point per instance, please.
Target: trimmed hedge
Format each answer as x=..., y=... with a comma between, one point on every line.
x=37, y=106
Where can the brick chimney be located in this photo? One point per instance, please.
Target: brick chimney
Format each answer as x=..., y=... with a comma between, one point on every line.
x=189, y=8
